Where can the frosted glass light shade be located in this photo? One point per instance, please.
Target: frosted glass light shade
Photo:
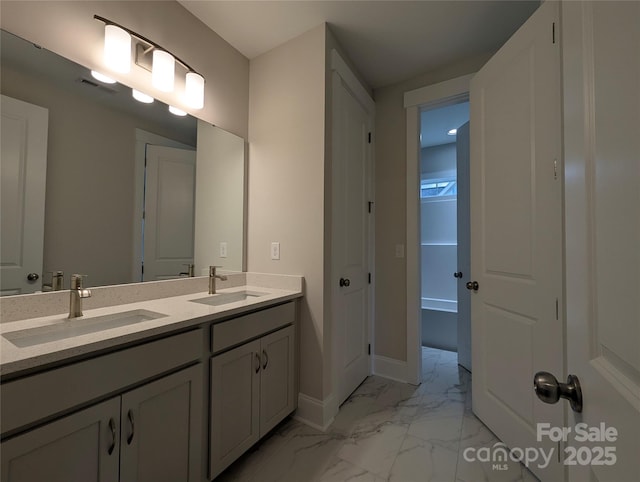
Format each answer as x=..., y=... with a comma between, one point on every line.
x=117, y=49
x=141, y=97
x=102, y=78
x=194, y=90
x=176, y=111
x=163, y=70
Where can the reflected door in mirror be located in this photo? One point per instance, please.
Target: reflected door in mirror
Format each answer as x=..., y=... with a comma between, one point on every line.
x=168, y=212
x=24, y=167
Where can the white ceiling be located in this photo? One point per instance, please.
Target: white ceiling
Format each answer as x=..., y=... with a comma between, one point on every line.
x=388, y=41
x=436, y=123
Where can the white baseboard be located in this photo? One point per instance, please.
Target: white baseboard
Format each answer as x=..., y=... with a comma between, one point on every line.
x=390, y=368
x=318, y=414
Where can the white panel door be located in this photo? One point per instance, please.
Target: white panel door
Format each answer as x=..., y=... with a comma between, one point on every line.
x=516, y=234
x=169, y=212
x=464, y=246
x=24, y=171
x=351, y=157
x=601, y=73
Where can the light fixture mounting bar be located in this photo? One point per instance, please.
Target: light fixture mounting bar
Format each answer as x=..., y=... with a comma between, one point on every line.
x=144, y=39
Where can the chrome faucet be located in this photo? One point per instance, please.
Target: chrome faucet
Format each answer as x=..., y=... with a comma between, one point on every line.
x=212, y=279
x=76, y=295
x=57, y=281
x=189, y=271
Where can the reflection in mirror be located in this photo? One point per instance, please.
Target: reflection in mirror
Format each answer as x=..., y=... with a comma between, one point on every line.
x=97, y=210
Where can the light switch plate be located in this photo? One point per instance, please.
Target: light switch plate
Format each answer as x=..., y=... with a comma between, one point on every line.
x=275, y=251
x=399, y=250
x=223, y=249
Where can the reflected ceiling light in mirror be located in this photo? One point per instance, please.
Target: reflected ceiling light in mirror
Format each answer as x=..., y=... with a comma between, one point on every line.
x=452, y=132
x=102, y=78
x=176, y=111
x=163, y=70
x=117, y=49
x=194, y=90
x=141, y=97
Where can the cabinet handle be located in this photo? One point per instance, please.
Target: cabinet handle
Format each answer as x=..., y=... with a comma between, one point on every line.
x=266, y=360
x=257, y=364
x=133, y=427
x=112, y=427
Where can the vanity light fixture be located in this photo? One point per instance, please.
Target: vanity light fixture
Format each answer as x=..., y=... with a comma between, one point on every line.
x=163, y=66
x=452, y=132
x=141, y=97
x=176, y=111
x=102, y=78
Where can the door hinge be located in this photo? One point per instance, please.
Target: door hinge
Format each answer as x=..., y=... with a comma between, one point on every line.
x=555, y=168
x=557, y=310
x=369, y=278
x=370, y=206
x=553, y=32
x=144, y=214
x=369, y=349
x=369, y=138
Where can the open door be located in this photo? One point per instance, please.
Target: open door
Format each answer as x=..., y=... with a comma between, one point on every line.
x=601, y=74
x=464, y=246
x=516, y=235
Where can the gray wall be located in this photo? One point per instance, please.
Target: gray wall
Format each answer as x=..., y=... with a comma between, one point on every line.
x=286, y=182
x=438, y=161
x=440, y=329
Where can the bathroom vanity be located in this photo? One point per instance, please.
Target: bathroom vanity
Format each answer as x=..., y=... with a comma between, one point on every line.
x=169, y=389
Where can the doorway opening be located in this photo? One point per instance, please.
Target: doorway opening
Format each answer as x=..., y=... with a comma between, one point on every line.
x=444, y=228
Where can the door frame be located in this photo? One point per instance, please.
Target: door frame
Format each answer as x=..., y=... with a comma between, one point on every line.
x=444, y=93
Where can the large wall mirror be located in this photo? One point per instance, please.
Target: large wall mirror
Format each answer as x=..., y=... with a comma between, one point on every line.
x=97, y=183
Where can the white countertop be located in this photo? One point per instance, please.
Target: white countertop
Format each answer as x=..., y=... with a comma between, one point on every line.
x=179, y=310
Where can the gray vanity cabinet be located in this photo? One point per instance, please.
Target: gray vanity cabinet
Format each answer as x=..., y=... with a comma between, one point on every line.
x=161, y=429
x=132, y=415
x=82, y=447
x=252, y=385
x=150, y=434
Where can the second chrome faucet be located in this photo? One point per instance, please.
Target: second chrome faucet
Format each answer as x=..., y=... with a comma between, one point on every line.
x=212, y=279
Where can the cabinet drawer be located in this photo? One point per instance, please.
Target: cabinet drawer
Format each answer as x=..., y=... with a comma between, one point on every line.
x=29, y=399
x=238, y=330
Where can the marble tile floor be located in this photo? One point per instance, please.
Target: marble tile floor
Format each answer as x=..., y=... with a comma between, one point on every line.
x=385, y=431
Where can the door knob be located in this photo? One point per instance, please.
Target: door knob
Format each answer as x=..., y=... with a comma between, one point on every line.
x=549, y=390
x=458, y=274
x=33, y=277
x=473, y=285
x=344, y=282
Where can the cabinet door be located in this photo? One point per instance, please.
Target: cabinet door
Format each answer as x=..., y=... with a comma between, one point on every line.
x=82, y=447
x=161, y=429
x=235, y=409
x=277, y=378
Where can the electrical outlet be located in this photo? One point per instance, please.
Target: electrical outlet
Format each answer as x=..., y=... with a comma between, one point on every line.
x=223, y=249
x=275, y=251
x=399, y=250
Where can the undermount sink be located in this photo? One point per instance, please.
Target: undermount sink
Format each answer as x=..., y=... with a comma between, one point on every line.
x=78, y=326
x=225, y=298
